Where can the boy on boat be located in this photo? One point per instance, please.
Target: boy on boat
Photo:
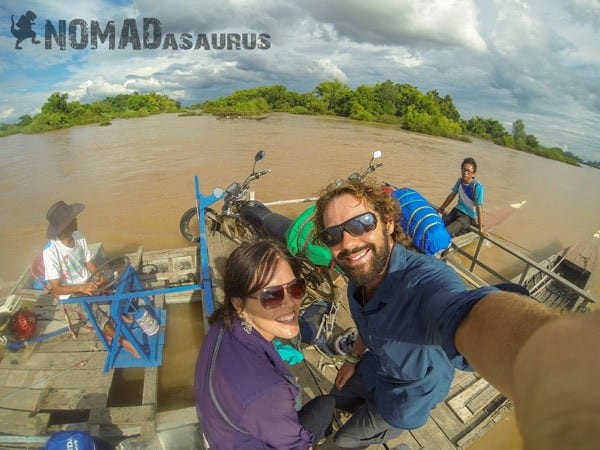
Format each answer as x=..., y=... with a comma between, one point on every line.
x=469, y=209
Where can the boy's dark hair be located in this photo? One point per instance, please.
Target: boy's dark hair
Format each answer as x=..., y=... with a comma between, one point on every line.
x=469, y=161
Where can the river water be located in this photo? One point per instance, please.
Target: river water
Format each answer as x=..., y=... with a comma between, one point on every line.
x=136, y=178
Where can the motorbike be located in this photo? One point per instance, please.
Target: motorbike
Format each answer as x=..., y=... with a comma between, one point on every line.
x=243, y=220
x=229, y=221
x=371, y=167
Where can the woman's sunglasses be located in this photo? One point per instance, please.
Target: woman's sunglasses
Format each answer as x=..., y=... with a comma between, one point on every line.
x=272, y=297
x=357, y=226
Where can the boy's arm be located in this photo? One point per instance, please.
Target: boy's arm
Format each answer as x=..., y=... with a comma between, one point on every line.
x=448, y=200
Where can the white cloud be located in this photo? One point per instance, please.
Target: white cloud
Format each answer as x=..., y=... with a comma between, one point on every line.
x=330, y=70
x=99, y=88
x=6, y=113
x=505, y=59
x=405, y=59
x=400, y=22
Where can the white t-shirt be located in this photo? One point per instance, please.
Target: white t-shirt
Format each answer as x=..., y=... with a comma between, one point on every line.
x=65, y=263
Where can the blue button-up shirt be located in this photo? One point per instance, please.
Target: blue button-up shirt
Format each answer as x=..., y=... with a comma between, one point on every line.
x=409, y=326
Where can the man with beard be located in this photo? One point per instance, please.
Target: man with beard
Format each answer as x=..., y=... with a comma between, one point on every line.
x=416, y=320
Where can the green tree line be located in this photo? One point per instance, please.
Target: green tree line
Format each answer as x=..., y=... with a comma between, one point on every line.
x=386, y=102
x=59, y=113
x=519, y=140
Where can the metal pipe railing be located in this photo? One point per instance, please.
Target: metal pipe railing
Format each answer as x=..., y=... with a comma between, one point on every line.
x=528, y=261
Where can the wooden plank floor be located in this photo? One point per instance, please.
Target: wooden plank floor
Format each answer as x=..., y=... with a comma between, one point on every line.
x=52, y=377
x=60, y=384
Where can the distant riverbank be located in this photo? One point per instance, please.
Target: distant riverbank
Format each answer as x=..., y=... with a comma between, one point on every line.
x=399, y=105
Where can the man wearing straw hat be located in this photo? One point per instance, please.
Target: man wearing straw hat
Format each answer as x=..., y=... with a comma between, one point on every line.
x=68, y=263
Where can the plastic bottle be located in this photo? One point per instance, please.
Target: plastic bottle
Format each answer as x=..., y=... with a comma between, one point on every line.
x=147, y=323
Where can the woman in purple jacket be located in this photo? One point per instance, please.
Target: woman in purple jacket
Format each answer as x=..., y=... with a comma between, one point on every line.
x=246, y=398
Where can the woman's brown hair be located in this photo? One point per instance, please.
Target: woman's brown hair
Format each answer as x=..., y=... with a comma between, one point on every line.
x=249, y=268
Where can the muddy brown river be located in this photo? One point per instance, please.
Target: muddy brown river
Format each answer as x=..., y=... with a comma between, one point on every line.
x=136, y=179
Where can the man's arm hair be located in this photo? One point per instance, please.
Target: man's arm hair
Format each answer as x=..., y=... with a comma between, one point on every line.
x=494, y=332
x=557, y=398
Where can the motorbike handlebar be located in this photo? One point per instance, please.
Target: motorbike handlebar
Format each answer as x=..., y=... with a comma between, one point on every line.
x=262, y=172
x=254, y=176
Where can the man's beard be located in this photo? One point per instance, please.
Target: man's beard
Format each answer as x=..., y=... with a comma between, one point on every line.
x=358, y=275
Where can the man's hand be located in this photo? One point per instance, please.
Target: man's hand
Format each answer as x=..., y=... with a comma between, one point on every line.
x=343, y=375
x=88, y=288
x=557, y=400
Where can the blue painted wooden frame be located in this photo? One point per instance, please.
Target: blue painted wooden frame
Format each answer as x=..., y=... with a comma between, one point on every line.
x=129, y=292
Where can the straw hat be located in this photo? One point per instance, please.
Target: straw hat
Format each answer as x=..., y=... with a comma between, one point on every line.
x=60, y=215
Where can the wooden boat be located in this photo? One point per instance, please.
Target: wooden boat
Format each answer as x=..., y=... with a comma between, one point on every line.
x=577, y=263
x=59, y=384
x=561, y=281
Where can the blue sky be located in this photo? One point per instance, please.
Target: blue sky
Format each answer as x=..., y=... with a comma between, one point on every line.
x=538, y=61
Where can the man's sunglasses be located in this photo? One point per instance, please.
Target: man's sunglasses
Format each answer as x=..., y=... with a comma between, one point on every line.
x=272, y=297
x=357, y=226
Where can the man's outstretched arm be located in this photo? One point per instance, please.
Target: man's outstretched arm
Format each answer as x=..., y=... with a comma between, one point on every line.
x=494, y=332
x=557, y=393
x=514, y=342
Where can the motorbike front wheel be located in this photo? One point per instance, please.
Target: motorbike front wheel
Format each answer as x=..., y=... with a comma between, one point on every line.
x=189, y=226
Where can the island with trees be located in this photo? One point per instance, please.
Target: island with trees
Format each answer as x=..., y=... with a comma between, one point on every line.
x=386, y=102
x=58, y=112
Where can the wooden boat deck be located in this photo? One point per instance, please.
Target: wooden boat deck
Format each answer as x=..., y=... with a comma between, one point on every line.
x=57, y=376
x=59, y=384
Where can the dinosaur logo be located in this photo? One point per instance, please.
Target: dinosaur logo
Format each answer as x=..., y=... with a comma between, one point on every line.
x=23, y=30
x=80, y=33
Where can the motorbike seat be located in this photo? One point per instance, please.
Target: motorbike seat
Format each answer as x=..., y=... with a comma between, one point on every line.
x=265, y=221
x=276, y=225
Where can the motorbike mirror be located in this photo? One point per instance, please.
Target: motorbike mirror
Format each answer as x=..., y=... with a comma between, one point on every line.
x=258, y=157
x=218, y=192
x=376, y=154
